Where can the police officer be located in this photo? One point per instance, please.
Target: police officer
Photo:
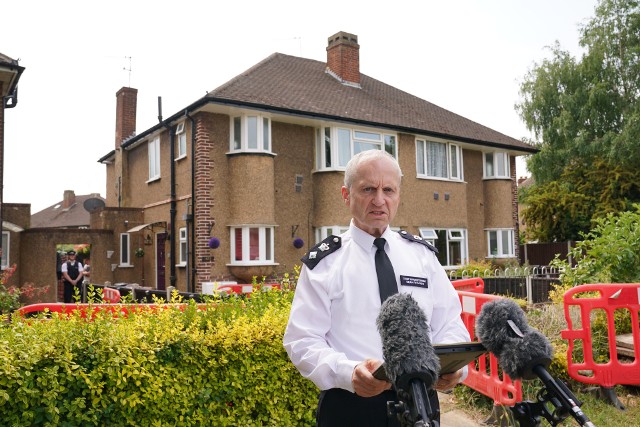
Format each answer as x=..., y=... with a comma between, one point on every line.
x=72, y=275
x=332, y=336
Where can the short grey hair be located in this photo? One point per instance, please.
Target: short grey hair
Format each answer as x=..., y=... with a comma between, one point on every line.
x=366, y=156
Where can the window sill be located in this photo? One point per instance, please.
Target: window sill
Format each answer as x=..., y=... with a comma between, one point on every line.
x=125, y=266
x=184, y=156
x=252, y=264
x=150, y=180
x=182, y=265
x=437, y=178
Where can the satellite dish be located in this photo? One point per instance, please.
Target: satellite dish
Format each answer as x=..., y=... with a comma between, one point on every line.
x=93, y=204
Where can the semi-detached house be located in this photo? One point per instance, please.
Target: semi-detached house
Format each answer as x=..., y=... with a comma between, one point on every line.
x=243, y=181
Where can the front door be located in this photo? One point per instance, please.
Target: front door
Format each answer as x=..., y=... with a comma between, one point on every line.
x=160, y=260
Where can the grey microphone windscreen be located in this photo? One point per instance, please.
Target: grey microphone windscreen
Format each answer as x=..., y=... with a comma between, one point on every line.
x=503, y=329
x=406, y=345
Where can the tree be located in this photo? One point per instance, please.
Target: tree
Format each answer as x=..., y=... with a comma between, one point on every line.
x=584, y=113
x=568, y=208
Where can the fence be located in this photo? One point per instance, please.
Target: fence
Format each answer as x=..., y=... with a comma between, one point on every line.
x=529, y=283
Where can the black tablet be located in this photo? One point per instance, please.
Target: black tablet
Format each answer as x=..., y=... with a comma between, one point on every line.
x=457, y=355
x=452, y=357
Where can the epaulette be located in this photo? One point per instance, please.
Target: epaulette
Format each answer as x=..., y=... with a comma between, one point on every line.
x=321, y=250
x=417, y=239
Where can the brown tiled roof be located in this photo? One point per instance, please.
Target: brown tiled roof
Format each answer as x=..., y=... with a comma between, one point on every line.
x=56, y=216
x=301, y=86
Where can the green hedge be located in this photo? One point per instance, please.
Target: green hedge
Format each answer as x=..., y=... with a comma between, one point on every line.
x=219, y=366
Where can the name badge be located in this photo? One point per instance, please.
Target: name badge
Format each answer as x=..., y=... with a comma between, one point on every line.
x=418, y=282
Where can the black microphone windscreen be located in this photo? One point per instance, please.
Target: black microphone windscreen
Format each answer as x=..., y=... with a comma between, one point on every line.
x=406, y=345
x=503, y=329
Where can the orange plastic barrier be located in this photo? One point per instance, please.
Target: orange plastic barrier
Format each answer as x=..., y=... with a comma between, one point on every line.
x=475, y=284
x=612, y=297
x=482, y=378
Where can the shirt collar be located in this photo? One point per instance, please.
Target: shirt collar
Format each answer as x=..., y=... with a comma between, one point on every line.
x=364, y=239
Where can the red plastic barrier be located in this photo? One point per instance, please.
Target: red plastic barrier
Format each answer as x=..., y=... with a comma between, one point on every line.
x=474, y=284
x=111, y=295
x=612, y=297
x=482, y=378
x=90, y=310
x=244, y=289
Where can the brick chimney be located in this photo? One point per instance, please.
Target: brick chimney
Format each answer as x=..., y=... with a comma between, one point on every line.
x=69, y=199
x=343, y=58
x=126, y=106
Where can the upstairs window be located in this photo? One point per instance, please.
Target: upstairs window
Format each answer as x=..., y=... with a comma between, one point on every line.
x=336, y=145
x=252, y=245
x=496, y=165
x=181, y=141
x=451, y=244
x=438, y=160
x=250, y=133
x=154, y=158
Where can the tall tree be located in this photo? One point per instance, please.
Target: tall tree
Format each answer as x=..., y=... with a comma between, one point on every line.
x=585, y=112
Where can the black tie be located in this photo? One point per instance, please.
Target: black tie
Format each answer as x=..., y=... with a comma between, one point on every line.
x=384, y=269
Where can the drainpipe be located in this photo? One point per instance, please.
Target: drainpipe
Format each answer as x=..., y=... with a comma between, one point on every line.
x=192, y=242
x=172, y=206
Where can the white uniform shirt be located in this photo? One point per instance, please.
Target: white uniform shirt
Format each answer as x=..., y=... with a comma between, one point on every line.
x=332, y=324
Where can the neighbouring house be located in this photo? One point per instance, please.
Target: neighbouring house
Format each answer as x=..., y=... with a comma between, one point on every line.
x=240, y=183
x=71, y=212
x=10, y=73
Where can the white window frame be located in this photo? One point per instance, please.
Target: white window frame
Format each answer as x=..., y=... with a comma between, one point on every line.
x=125, y=249
x=452, y=161
x=153, y=151
x=322, y=233
x=266, y=238
x=6, y=246
x=182, y=233
x=243, y=142
x=452, y=235
x=500, y=235
x=335, y=145
x=181, y=141
x=496, y=165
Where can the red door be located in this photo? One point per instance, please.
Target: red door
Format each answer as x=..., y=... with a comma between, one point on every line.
x=160, y=260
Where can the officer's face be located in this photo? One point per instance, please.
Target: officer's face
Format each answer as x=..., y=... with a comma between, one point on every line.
x=374, y=196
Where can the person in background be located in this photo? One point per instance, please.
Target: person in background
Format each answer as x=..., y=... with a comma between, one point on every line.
x=331, y=336
x=86, y=271
x=72, y=275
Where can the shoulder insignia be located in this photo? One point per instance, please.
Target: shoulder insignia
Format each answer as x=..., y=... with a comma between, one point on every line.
x=417, y=239
x=321, y=250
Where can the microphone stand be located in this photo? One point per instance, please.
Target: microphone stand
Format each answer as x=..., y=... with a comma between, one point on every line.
x=557, y=394
x=413, y=408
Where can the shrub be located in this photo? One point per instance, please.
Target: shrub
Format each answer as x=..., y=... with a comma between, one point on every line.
x=219, y=364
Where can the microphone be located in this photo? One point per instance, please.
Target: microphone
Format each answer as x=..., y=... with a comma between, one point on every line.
x=411, y=362
x=525, y=353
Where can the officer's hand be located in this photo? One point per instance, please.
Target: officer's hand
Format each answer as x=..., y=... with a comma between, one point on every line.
x=448, y=381
x=364, y=383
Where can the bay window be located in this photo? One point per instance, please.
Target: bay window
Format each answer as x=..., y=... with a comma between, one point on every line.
x=250, y=133
x=252, y=245
x=496, y=165
x=500, y=243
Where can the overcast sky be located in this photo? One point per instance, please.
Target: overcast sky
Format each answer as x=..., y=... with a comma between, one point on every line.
x=466, y=56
